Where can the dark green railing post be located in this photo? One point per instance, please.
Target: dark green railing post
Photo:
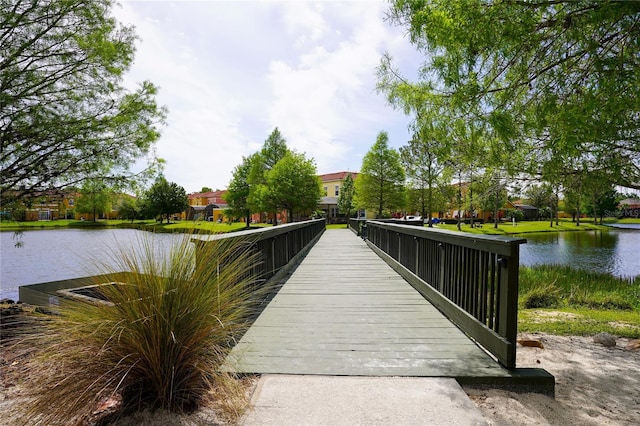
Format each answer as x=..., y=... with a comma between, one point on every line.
x=507, y=321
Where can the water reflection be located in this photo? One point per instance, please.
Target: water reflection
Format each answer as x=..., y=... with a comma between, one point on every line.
x=614, y=251
x=51, y=255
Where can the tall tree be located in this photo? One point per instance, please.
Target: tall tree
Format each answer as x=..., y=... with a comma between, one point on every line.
x=273, y=150
x=237, y=195
x=165, y=198
x=129, y=208
x=64, y=113
x=542, y=197
x=346, y=196
x=293, y=184
x=600, y=194
x=95, y=198
x=423, y=160
x=380, y=184
x=491, y=193
x=560, y=77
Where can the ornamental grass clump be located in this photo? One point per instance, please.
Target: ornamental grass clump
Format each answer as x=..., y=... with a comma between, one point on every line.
x=158, y=343
x=547, y=286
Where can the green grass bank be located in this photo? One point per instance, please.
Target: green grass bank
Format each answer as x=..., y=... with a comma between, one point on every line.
x=526, y=227
x=561, y=300
x=145, y=225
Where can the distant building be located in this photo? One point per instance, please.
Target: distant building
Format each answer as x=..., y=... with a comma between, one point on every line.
x=530, y=212
x=58, y=204
x=630, y=207
x=331, y=184
x=208, y=206
x=49, y=205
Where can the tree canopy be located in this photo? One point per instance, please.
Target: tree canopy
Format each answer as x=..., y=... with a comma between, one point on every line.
x=424, y=158
x=557, y=80
x=65, y=114
x=293, y=184
x=273, y=150
x=346, y=196
x=129, y=208
x=165, y=198
x=380, y=184
x=95, y=198
x=237, y=195
x=273, y=179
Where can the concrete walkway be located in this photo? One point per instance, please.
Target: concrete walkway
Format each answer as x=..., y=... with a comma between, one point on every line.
x=335, y=401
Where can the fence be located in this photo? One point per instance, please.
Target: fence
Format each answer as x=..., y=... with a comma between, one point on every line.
x=275, y=246
x=472, y=279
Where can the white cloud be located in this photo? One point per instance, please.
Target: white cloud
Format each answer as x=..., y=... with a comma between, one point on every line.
x=323, y=98
x=304, y=20
x=229, y=72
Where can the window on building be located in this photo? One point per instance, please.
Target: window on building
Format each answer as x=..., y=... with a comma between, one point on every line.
x=325, y=191
x=337, y=189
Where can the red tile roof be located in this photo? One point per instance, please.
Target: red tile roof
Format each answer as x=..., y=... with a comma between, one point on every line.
x=212, y=196
x=337, y=176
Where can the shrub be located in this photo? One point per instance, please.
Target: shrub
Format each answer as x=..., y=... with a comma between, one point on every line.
x=542, y=297
x=595, y=301
x=160, y=344
x=580, y=288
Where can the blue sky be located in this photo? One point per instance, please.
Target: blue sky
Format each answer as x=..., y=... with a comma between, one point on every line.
x=231, y=71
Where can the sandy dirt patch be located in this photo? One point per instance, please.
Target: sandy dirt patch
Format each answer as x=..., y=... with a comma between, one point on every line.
x=595, y=385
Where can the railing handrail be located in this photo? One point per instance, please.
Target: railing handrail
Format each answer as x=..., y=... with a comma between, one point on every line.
x=471, y=278
x=503, y=245
x=258, y=234
x=277, y=248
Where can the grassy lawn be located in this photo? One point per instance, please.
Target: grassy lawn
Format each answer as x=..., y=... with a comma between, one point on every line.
x=147, y=225
x=579, y=322
x=212, y=227
x=337, y=226
x=68, y=223
x=525, y=227
x=625, y=220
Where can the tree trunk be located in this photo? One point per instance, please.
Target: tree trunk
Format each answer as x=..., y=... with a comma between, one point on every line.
x=471, y=199
x=429, y=205
x=459, y=202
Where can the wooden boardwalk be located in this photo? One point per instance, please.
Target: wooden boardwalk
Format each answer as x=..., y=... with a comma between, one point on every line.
x=344, y=311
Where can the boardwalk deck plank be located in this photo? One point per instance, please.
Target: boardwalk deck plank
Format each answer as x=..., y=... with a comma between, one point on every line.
x=344, y=311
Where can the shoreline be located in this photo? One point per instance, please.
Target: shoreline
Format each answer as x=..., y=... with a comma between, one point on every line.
x=153, y=226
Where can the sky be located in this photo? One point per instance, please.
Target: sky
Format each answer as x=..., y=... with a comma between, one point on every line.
x=229, y=72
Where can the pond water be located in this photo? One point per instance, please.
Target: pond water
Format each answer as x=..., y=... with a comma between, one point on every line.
x=51, y=255
x=616, y=251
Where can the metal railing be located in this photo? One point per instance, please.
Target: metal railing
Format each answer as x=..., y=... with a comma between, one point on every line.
x=275, y=247
x=355, y=224
x=472, y=279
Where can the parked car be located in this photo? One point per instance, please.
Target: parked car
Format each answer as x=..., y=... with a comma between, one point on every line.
x=434, y=221
x=412, y=218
